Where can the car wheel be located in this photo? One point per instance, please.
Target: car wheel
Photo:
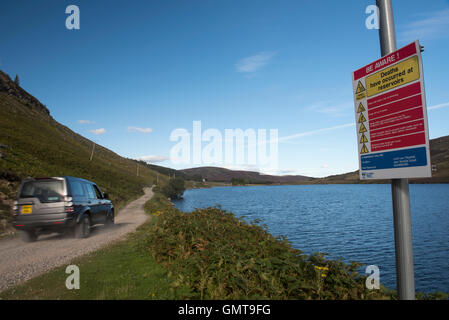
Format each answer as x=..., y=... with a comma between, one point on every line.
x=29, y=235
x=110, y=219
x=82, y=229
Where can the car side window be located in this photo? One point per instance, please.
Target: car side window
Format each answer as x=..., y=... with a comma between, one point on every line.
x=77, y=189
x=97, y=192
x=90, y=191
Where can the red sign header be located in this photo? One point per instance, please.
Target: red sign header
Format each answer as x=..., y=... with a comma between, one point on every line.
x=387, y=60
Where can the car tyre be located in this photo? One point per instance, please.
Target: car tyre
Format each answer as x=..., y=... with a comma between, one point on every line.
x=82, y=229
x=29, y=235
x=110, y=220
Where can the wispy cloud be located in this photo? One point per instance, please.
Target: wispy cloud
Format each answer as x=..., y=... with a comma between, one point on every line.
x=141, y=130
x=438, y=106
x=260, y=170
x=153, y=158
x=347, y=125
x=281, y=172
x=332, y=109
x=434, y=25
x=98, y=131
x=254, y=63
x=313, y=132
x=85, y=122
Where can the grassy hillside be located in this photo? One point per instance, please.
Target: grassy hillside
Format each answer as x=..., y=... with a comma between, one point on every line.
x=33, y=144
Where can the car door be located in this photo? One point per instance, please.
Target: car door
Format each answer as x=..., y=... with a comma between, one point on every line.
x=94, y=203
x=102, y=207
x=78, y=193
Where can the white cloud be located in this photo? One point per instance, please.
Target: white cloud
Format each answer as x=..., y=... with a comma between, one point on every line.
x=98, y=131
x=141, y=130
x=324, y=166
x=438, y=106
x=279, y=172
x=262, y=171
x=347, y=125
x=332, y=109
x=254, y=63
x=85, y=122
x=243, y=167
x=153, y=159
x=313, y=132
x=433, y=25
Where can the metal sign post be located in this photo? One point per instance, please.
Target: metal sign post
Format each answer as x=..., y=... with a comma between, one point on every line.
x=399, y=187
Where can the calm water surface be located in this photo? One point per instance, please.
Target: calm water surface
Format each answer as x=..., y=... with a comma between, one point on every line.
x=353, y=222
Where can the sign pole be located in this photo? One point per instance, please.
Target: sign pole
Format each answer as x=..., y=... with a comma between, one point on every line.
x=399, y=187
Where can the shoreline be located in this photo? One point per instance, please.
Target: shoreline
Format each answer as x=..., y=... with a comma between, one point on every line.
x=310, y=184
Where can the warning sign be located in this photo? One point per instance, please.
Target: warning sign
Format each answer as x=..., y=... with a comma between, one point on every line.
x=392, y=77
x=391, y=116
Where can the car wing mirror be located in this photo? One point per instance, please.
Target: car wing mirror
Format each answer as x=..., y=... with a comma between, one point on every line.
x=106, y=195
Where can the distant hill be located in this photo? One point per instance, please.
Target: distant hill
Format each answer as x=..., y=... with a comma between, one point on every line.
x=33, y=144
x=439, y=153
x=225, y=175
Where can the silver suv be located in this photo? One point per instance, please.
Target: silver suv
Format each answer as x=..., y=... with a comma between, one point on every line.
x=47, y=205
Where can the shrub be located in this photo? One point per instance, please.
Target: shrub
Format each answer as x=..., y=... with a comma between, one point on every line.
x=219, y=256
x=174, y=189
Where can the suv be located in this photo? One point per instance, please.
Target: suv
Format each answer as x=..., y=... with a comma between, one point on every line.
x=47, y=205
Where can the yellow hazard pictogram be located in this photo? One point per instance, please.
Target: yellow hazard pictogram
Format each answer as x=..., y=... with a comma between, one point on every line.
x=362, y=118
x=360, y=88
x=363, y=138
x=362, y=128
x=361, y=108
x=364, y=149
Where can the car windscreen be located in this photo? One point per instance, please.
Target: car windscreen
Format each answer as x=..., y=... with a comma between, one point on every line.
x=45, y=190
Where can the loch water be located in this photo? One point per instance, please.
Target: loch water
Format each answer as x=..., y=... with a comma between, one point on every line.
x=352, y=222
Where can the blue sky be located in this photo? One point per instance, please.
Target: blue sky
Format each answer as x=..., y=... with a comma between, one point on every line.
x=137, y=70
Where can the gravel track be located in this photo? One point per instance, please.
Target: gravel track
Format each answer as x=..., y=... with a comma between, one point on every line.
x=20, y=261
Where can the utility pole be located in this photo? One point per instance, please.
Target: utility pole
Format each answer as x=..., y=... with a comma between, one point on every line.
x=92, y=154
x=399, y=187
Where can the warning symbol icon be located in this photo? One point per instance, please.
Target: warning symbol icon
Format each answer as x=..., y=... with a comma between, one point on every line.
x=363, y=138
x=360, y=88
x=362, y=128
x=360, y=92
x=362, y=118
x=364, y=149
x=361, y=108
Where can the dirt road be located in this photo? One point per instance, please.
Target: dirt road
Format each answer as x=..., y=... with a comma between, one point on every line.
x=21, y=261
